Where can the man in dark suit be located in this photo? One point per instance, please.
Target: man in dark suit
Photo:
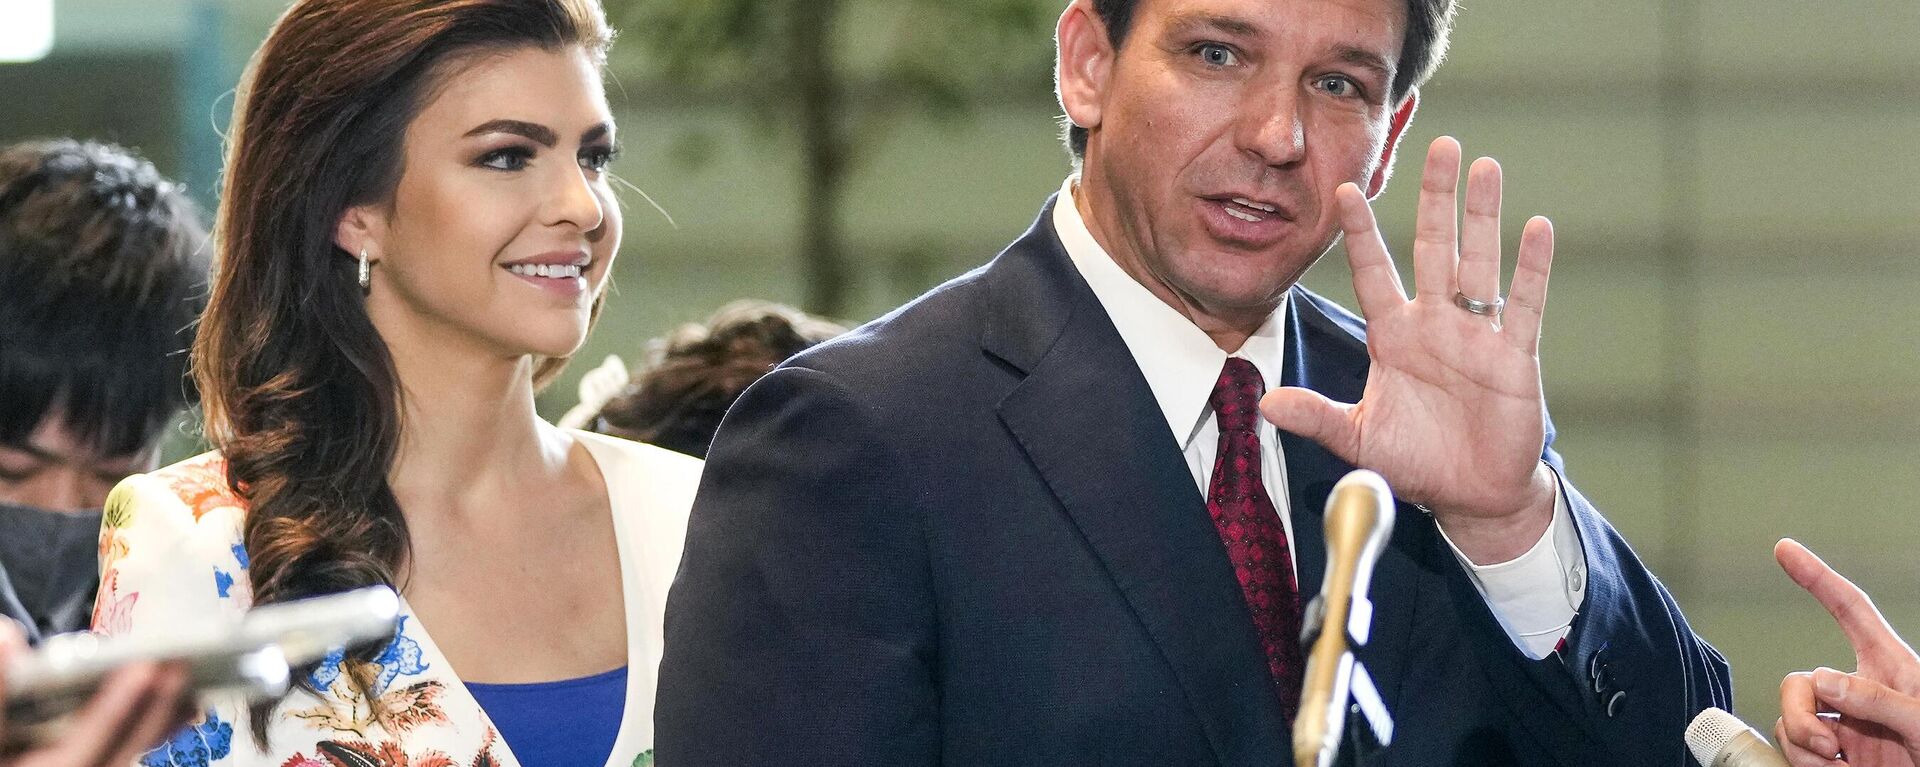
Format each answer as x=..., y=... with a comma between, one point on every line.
x=1033, y=517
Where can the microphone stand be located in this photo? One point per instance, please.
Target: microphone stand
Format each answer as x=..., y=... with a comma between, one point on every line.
x=1368, y=727
x=1342, y=719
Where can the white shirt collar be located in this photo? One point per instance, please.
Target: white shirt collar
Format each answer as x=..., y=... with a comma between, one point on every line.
x=1178, y=359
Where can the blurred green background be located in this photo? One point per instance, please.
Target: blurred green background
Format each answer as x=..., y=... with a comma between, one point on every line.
x=1732, y=350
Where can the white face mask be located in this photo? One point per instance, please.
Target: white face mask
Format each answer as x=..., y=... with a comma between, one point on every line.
x=47, y=567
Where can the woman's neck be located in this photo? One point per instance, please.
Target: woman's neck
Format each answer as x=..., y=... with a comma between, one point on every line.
x=469, y=430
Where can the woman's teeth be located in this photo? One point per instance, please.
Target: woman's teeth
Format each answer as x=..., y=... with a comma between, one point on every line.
x=555, y=271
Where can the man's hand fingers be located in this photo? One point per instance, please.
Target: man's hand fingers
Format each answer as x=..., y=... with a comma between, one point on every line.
x=1480, y=232
x=1857, y=697
x=101, y=727
x=160, y=718
x=11, y=643
x=1309, y=414
x=1797, y=756
x=1800, y=720
x=1866, y=629
x=1375, y=282
x=1527, y=301
x=1436, y=240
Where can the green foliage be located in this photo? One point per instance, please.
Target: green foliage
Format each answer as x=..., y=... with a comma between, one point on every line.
x=886, y=57
x=832, y=75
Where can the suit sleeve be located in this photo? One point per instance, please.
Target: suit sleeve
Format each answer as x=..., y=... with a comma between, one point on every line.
x=800, y=627
x=1638, y=670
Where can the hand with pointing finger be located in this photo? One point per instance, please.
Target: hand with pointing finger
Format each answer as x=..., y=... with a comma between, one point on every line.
x=1453, y=414
x=1871, y=717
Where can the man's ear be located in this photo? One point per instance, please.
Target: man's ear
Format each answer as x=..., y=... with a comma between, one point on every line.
x=1401, y=117
x=1085, y=64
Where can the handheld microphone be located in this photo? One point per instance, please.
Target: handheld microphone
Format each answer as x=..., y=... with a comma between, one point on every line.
x=1359, y=519
x=1719, y=739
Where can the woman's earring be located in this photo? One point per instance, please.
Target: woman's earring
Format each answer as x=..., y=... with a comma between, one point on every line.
x=366, y=270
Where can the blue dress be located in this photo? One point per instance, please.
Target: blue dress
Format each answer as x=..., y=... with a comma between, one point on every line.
x=568, y=723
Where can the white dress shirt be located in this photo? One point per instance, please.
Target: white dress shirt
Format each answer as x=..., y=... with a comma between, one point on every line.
x=1535, y=596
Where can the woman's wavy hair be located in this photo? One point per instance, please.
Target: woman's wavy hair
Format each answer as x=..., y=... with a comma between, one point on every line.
x=300, y=393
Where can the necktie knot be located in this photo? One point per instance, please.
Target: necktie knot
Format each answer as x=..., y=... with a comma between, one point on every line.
x=1236, y=396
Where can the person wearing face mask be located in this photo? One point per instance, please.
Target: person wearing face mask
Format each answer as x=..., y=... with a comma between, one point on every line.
x=1036, y=516
x=103, y=266
x=416, y=231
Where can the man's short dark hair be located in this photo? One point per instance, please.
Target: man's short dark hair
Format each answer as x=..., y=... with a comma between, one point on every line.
x=103, y=271
x=1428, y=23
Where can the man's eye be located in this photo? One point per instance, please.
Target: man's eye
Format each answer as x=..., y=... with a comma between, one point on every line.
x=1217, y=55
x=1338, y=85
x=511, y=158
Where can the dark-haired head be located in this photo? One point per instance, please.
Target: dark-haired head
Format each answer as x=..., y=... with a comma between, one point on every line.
x=327, y=160
x=1424, y=45
x=103, y=268
x=692, y=376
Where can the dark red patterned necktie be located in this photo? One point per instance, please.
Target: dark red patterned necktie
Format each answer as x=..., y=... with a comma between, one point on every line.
x=1250, y=527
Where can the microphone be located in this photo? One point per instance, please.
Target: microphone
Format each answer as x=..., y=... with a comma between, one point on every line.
x=1359, y=519
x=1719, y=739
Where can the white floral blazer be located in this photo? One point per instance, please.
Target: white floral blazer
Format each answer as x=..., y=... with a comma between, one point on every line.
x=171, y=555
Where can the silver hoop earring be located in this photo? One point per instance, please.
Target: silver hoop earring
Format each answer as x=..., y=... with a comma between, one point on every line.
x=366, y=269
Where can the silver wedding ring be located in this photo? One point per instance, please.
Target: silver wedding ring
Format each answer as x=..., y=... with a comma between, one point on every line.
x=1482, y=308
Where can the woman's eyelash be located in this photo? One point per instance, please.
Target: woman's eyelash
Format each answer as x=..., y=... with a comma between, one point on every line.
x=600, y=156
x=508, y=158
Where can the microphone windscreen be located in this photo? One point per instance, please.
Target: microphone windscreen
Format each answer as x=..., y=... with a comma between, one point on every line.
x=1713, y=732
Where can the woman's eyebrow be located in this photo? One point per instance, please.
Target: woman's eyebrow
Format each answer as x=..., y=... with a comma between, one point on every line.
x=540, y=133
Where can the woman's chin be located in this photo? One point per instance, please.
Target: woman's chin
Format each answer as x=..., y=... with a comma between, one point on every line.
x=547, y=346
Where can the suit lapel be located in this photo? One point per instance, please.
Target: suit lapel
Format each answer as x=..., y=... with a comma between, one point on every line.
x=1088, y=422
x=1321, y=355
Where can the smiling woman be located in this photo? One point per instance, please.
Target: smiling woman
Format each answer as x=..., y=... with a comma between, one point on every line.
x=416, y=232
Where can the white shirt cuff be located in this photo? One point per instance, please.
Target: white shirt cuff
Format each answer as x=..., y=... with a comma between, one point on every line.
x=1536, y=595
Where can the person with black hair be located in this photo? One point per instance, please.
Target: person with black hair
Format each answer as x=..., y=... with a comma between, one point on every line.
x=694, y=374
x=103, y=266
x=1066, y=509
x=103, y=269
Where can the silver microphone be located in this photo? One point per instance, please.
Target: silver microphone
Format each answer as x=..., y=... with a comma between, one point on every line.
x=1359, y=519
x=1719, y=739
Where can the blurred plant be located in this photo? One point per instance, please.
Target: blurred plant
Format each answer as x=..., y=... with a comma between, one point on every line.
x=833, y=75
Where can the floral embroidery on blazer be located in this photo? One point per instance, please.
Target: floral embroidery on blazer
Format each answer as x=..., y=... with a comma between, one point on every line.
x=171, y=555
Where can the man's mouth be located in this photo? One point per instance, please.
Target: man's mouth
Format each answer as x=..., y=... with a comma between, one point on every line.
x=1252, y=211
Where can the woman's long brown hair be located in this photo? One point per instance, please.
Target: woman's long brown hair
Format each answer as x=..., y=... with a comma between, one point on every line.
x=300, y=394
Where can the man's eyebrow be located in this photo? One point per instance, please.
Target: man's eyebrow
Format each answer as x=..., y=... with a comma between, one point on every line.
x=1199, y=21
x=535, y=131
x=39, y=453
x=1367, y=59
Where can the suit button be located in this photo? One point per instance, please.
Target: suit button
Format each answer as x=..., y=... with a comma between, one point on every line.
x=1615, y=703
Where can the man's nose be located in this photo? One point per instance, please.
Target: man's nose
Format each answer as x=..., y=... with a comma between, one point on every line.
x=1270, y=126
x=60, y=488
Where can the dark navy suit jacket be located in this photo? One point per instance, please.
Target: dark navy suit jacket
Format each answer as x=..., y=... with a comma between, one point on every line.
x=963, y=534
